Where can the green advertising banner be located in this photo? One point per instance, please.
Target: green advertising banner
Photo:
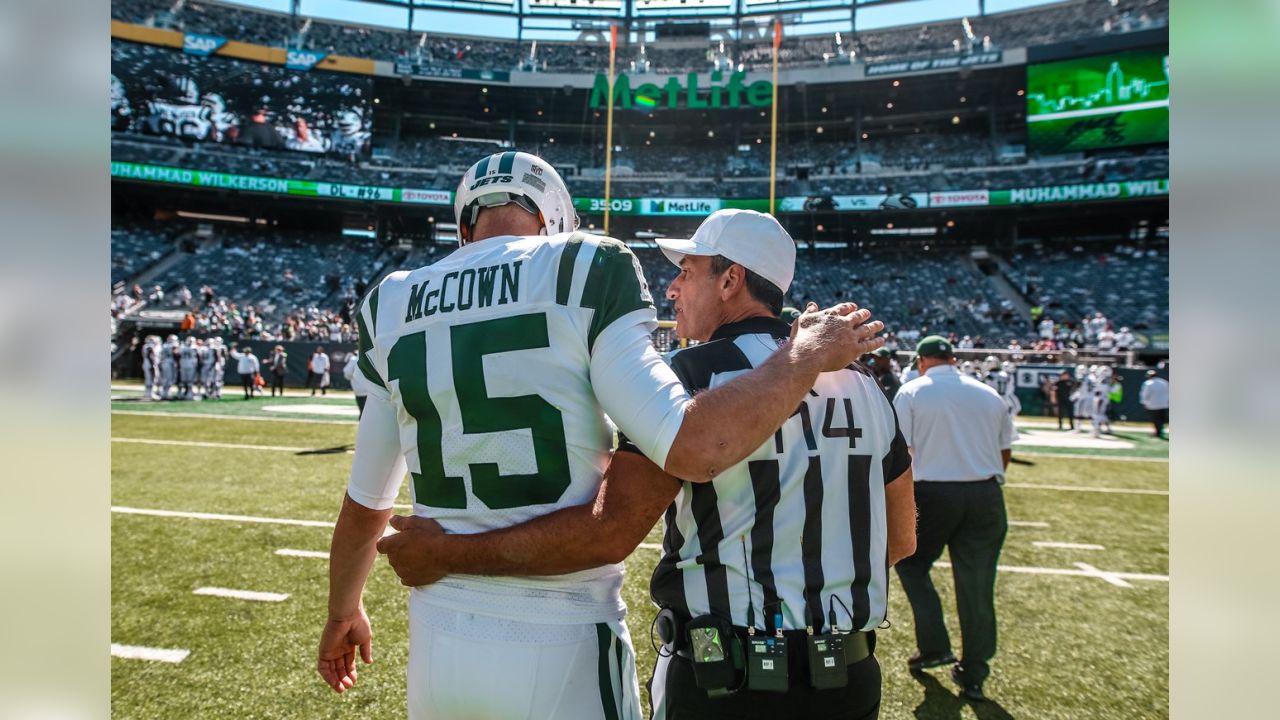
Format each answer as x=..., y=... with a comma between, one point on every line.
x=666, y=207
x=277, y=186
x=1081, y=192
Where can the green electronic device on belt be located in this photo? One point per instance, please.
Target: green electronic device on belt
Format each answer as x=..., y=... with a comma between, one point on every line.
x=717, y=655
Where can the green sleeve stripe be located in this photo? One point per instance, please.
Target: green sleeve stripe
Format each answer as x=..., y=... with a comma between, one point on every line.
x=364, y=342
x=613, y=287
x=564, y=276
x=373, y=309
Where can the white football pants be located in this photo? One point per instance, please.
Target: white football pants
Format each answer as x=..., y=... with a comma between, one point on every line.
x=466, y=666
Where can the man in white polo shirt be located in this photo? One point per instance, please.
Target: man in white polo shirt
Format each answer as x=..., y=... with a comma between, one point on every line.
x=960, y=433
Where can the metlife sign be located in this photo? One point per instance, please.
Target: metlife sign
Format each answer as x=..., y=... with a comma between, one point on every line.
x=299, y=59
x=951, y=62
x=202, y=45
x=682, y=206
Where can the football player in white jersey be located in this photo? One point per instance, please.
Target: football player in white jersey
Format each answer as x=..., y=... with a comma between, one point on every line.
x=1101, y=400
x=216, y=368
x=1083, y=396
x=188, y=362
x=489, y=374
x=150, y=367
x=168, y=366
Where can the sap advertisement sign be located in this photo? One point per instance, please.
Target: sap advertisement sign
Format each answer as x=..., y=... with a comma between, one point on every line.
x=203, y=45
x=297, y=59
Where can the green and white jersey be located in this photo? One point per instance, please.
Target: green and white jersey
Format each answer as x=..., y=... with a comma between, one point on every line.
x=501, y=361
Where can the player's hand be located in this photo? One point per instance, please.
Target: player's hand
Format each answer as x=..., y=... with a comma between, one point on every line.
x=338, y=643
x=412, y=551
x=836, y=336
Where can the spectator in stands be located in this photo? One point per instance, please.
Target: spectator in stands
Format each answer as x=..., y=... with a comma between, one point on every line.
x=1125, y=340
x=278, y=364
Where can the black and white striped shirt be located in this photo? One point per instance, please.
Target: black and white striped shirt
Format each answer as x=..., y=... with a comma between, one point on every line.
x=800, y=520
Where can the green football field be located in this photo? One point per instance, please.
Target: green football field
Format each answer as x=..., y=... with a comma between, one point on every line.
x=206, y=495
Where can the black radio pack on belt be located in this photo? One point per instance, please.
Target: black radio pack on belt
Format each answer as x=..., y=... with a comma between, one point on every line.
x=828, y=667
x=717, y=655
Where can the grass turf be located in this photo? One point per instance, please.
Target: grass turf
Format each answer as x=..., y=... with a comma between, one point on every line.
x=1069, y=646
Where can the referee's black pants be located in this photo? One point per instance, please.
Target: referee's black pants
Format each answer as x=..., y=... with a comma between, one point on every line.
x=675, y=695
x=1065, y=413
x=968, y=518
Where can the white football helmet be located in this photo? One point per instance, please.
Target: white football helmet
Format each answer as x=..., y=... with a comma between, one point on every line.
x=514, y=177
x=990, y=363
x=966, y=367
x=1008, y=367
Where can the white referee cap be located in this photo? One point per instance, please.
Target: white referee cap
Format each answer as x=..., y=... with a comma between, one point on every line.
x=751, y=239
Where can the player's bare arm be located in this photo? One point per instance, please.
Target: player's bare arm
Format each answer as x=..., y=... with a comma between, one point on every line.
x=631, y=499
x=724, y=425
x=347, y=629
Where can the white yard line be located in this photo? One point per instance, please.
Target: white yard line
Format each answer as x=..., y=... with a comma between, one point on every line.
x=137, y=652
x=1117, y=458
x=1081, y=488
x=218, y=516
x=241, y=594
x=317, y=554
x=1067, y=545
x=1111, y=577
x=222, y=446
x=215, y=416
x=650, y=546
x=1028, y=523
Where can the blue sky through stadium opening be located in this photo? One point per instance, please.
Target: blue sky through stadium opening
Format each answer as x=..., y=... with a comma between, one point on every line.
x=871, y=15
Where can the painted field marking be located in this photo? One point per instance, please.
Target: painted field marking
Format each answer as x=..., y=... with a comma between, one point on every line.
x=650, y=546
x=1115, y=578
x=1083, y=456
x=1067, y=545
x=1078, y=488
x=1028, y=523
x=289, y=552
x=138, y=652
x=334, y=410
x=221, y=446
x=241, y=594
x=216, y=416
x=217, y=516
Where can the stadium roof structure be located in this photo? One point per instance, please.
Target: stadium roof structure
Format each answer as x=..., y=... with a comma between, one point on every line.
x=805, y=16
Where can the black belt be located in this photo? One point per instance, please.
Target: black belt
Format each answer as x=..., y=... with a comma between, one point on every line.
x=857, y=645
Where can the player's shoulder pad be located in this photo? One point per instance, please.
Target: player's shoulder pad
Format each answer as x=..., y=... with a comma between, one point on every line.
x=614, y=285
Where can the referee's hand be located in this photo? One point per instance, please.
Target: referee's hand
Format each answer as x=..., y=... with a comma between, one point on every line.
x=836, y=336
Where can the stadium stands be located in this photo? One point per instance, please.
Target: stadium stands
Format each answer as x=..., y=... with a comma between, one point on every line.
x=1129, y=286
x=1054, y=23
x=134, y=246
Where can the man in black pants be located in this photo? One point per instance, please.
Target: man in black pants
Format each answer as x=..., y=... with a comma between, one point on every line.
x=960, y=434
x=1062, y=398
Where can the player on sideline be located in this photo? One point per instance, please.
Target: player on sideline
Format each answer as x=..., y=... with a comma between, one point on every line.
x=488, y=376
x=1003, y=380
x=217, y=368
x=168, y=366
x=151, y=367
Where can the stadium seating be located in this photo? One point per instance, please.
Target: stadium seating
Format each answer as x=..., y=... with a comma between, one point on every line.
x=1129, y=286
x=1055, y=23
x=134, y=246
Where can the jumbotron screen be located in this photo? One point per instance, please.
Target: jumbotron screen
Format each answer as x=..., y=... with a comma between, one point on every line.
x=1101, y=101
x=157, y=91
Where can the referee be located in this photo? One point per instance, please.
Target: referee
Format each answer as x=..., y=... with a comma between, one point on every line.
x=797, y=537
x=960, y=434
